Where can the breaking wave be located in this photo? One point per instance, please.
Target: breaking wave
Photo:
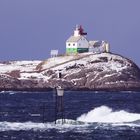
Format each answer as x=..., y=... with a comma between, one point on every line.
x=105, y=114
x=99, y=117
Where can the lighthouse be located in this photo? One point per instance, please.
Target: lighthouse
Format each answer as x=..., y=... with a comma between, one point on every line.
x=77, y=43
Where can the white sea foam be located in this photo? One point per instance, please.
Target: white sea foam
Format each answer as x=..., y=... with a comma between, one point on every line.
x=16, y=126
x=6, y=126
x=105, y=114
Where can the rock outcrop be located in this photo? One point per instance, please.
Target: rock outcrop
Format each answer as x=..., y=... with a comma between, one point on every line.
x=87, y=71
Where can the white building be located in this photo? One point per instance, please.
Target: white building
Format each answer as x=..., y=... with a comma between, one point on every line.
x=78, y=43
x=98, y=46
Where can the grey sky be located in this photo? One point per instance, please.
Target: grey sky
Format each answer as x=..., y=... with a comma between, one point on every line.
x=29, y=29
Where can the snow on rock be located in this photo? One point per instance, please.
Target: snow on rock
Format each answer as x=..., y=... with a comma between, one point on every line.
x=103, y=61
x=103, y=71
x=95, y=71
x=23, y=66
x=51, y=62
x=32, y=76
x=57, y=61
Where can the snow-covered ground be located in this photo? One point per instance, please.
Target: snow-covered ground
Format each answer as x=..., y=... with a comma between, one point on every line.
x=52, y=62
x=112, y=64
x=103, y=61
x=26, y=68
x=23, y=66
x=83, y=70
x=35, y=75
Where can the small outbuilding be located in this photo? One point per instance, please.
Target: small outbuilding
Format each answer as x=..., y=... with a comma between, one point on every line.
x=98, y=46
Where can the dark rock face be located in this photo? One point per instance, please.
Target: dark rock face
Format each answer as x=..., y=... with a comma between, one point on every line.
x=7, y=82
x=101, y=72
x=104, y=71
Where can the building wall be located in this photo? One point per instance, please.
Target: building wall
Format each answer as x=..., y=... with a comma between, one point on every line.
x=76, y=50
x=71, y=44
x=82, y=43
x=71, y=50
x=99, y=49
x=82, y=50
x=77, y=47
x=71, y=47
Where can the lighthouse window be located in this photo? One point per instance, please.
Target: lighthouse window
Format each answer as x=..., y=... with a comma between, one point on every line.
x=69, y=44
x=74, y=44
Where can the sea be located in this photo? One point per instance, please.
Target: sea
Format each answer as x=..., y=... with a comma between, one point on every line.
x=88, y=115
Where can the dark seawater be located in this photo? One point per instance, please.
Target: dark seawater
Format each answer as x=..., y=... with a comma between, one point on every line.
x=107, y=116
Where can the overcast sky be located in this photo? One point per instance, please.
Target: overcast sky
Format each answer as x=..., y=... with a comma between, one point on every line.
x=29, y=29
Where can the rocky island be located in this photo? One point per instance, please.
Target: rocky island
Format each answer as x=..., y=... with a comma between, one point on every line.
x=86, y=65
x=85, y=71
